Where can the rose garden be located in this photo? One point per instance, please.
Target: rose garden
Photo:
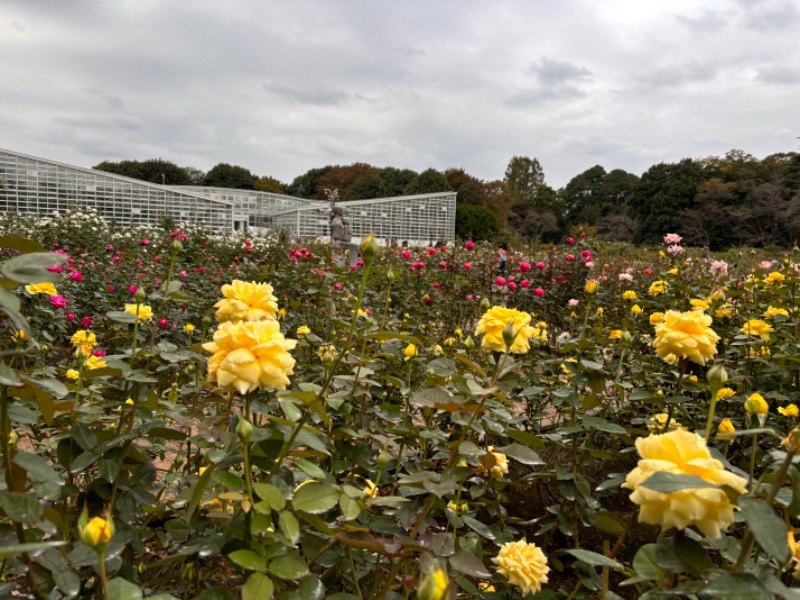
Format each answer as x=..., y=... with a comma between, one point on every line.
x=194, y=416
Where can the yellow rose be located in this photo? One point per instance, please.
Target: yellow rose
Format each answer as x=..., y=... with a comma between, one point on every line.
x=773, y=278
x=726, y=426
x=282, y=312
x=434, y=586
x=725, y=392
x=636, y=309
x=410, y=351
x=682, y=453
x=756, y=405
x=97, y=532
x=699, y=304
x=94, y=362
x=657, y=288
x=370, y=490
x=524, y=565
x=724, y=312
x=629, y=295
x=144, y=312
x=599, y=310
x=790, y=410
x=247, y=302
x=495, y=321
x=673, y=271
x=658, y=423
x=615, y=334
x=19, y=336
x=83, y=337
x=73, y=374
x=656, y=318
x=459, y=332
x=591, y=286
x=41, y=288
x=500, y=466
x=250, y=354
x=757, y=328
x=189, y=328
x=303, y=330
x=773, y=311
x=686, y=335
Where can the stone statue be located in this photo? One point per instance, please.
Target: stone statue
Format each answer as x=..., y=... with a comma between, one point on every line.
x=340, y=229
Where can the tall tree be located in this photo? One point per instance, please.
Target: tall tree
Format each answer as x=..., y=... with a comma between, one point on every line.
x=369, y=185
x=305, y=185
x=429, y=181
x=229, y=176
x=341, y=178
x=475, y=222
x=154, y=170
x=269, y=184
x=395, y=181
x=583, y=196
x=524, y=177
x=469, y=189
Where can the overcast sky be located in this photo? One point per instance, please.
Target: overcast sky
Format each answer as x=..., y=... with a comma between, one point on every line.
x=280, y=87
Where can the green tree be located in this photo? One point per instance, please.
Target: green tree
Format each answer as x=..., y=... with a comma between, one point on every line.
x=469, y=189
x=475, y=222
x=429, y=181
x=583, y=196
x=305, y=185
x=524, y=177
x=154, y=170
x=229, y=176
x=369, y=185
x=664, y=192
x=269, y=184
x=341, y=178
x=395, y=181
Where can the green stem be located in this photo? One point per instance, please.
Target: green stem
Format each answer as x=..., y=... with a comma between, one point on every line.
x=711, y=410
x=103, y=578
x=752, y=461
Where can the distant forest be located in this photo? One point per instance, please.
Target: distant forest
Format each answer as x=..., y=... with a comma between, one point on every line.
x=716, y=202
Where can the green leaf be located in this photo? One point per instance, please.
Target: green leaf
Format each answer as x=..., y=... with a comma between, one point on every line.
x=257, y=587
x=248, y=559
x=603, y=425
x=102, y=372
x=522, y=454
x=479, y=528
x=523, y=437
x=8, y=551
x=84, y=437
x=37, y=467
x=8, y=377
x=199, y=490
x=673, y=482
x=350, y=507
x=794, y=505
x=8, y=299
x=24, y=245
x=166, y=433
x=32, y=267
x=469, y=564
x=315, y=497
x=681, y=554
x=289, y=526
x=595, y=559
x=645, y=566
x=229, y=480
x=311, y=588
x=768, y=529
x=120, y=316
x=289, y=566
x=271, y=494
x=122, y=589
x=738, y=586
x=21, y=508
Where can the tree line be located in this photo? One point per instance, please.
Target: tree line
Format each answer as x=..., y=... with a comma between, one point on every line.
x=716, y=202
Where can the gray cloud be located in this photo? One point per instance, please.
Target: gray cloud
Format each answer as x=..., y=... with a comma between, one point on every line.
x=555, y=72
x=708, y=21
x=779, y=74
x=306, y=95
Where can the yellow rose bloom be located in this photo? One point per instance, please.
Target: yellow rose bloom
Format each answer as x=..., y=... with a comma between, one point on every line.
x=656, y=318
x=615, y=334
x=282, y=312
x=250, y=354
x=500, y=466
x=773, y=311
x=84, y=337
x=725, y=392
x=144, y=312
x=97, y=532
x=539, y=332
x=189, y=328
x=629, y=295
x=434, y=586
x=686, y=335
x=698, y=304
x=73, y=374
x=303, y=330
x=19, y=336
x=485, y=586
x=524, y=565
x=757, y=328
x=726, y=426
x=410, y=351
x=790, y=410
x=683, y=453
x=658, y=423
x=673, y=271
x=450, y=341
x=247, y=302
x=773, y=278
x=370, y=490
x=724, y=312
x=494, y=322
x=756, y=405
x=657, y=288
x=591, y=286
x=94, y=362
x=459, y=332
x=437, y=350
x=636, y=309
x=41, y=288
x=599, y=310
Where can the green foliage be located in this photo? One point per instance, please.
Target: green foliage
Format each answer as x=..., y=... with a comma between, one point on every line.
x=154, y=170
x=429, y=181
x=229, y=176
x=476, y=223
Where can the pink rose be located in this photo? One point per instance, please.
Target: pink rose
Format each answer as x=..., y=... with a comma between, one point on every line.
x=470, y=245
x=58, y=301
x=76, y=276
x=538, y=292
x=86, y=322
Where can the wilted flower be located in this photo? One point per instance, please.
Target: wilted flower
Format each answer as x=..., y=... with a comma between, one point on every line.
x=686, y=335
x=682, y=453
x=524, y=565
x=250, y=354
x=247, y=302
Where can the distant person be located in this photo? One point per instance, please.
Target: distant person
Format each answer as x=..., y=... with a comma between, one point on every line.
x=502, y=257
